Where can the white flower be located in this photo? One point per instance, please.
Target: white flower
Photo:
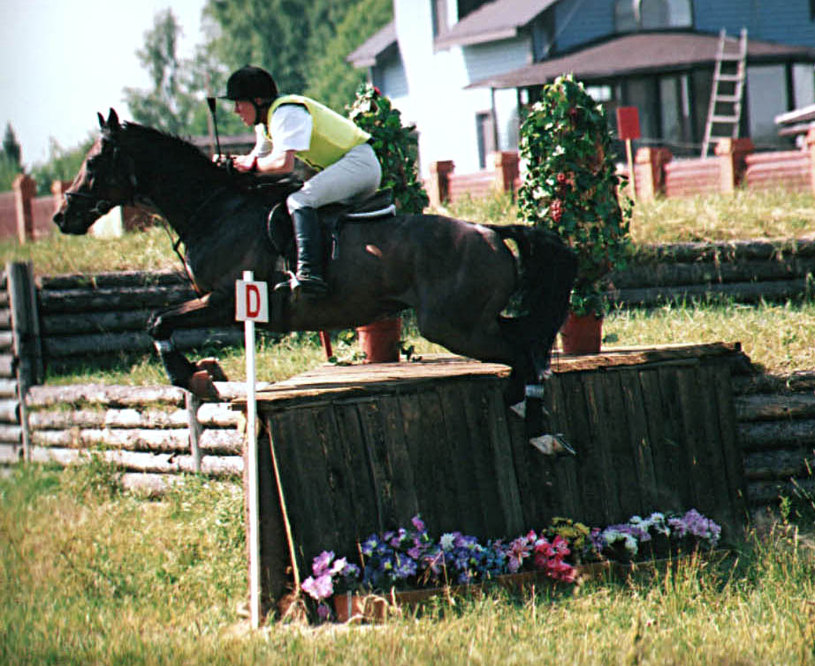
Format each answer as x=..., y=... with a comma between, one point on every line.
x=447, y=541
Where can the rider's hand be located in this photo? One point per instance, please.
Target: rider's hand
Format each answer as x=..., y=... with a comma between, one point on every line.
x=245, y=163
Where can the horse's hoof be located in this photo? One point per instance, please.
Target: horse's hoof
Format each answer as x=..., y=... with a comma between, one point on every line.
x=212, y=368
x=551, y=445
x=201, y=385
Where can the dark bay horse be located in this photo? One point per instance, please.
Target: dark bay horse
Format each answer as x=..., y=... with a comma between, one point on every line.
x=459, y=277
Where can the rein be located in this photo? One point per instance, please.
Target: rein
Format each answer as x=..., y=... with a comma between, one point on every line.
x=178, y=241
x=176, y=244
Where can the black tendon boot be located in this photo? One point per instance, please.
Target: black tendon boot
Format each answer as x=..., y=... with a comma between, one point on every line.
x=309, y=239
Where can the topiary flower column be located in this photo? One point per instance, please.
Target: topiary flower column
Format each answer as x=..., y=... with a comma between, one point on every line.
x=396, y=146
x=571, y=187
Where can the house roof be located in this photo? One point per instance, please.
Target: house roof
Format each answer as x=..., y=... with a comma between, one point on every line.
x=640, y=53
x=365, y=55
x=499, y=19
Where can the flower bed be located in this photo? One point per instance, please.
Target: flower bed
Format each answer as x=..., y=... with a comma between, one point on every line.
x=407, y=566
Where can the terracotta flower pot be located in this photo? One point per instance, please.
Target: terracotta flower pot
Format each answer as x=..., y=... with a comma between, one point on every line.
x=581, y=335
x=380, y=340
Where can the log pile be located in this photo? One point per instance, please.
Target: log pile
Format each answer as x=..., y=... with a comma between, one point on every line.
x=149, y=432
x=776, y=418
x=107, y=313
x=742, y=271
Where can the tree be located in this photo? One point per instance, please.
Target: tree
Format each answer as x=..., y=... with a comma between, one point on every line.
x=62, y=164
x=171, y=103
x=268, y=33
x=333, y=80
x=302, y=43
x=10, y=166
x=11, y=148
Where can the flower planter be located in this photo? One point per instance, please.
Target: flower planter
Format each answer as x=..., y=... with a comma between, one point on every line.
x=376, y=608
x=380, y=340
x=581, y=334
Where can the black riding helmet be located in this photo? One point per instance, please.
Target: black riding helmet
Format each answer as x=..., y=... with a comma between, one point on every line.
x=250, y=83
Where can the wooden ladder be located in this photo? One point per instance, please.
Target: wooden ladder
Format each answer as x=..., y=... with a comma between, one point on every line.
x=724, y=111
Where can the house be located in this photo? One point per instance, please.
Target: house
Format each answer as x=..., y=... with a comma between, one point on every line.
x=462, y=70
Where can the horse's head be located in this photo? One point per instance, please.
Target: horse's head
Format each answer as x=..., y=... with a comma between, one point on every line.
x=106, y=179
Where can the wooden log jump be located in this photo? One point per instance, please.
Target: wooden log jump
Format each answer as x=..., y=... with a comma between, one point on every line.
x=364, y=448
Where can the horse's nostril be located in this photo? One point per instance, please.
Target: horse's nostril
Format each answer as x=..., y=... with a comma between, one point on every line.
x=58, y=218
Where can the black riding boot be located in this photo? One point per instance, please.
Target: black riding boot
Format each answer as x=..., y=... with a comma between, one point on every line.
x=309, y=239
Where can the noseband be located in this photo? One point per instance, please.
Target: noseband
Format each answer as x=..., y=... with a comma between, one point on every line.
x=101, y=206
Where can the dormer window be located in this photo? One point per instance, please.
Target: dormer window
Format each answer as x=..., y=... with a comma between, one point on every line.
x=633, y=15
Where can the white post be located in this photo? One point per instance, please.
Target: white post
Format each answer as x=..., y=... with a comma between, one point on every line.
x=252, y=450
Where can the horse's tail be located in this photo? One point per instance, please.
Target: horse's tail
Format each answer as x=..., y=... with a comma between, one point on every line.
x=547, y=271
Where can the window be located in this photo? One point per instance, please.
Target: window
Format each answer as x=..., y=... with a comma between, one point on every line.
x=485, y=133
x=631, y=15
x=543, y=35
x=625, y=18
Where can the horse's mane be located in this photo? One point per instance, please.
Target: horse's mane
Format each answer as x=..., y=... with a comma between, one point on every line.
x=169, y=147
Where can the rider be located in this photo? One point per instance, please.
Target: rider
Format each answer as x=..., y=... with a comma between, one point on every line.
x=348, y=169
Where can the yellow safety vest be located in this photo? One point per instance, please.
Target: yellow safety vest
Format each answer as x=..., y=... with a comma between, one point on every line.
x=332, y=135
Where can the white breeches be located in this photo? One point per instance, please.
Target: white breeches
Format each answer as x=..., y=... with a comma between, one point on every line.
x=353, y=177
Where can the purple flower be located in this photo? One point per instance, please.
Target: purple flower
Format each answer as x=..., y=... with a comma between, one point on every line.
x=321, y=563
x=320, y=587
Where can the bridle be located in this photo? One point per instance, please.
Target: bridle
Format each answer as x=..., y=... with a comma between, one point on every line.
x=102, y=205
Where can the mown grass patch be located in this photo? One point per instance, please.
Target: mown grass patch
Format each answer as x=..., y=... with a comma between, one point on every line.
x=91, y=574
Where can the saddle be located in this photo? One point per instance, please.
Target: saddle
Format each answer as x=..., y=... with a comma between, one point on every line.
x=280, y=232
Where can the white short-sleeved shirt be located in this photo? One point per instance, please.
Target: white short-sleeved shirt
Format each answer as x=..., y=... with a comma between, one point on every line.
x=290, y=128
x=262, y=144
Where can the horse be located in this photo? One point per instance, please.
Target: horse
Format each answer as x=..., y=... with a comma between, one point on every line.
x=460, y=278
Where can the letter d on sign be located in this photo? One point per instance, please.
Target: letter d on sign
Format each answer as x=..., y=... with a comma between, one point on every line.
x=251, y=301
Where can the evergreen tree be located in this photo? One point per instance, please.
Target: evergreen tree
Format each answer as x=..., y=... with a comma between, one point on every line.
x=11, y=148
x=10, y=160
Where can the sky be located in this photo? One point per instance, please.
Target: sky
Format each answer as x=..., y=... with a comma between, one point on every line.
x=62, y=61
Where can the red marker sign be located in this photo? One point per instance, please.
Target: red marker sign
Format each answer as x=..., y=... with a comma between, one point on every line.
x=628, y=122
x=251, y=301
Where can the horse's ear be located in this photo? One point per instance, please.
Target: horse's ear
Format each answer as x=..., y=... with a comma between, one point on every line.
x=101, y=121
x=113, y=120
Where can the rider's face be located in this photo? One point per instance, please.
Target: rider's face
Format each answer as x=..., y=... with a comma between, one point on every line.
x=246, y=110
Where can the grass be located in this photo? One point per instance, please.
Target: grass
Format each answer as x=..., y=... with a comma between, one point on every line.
x=746, y=214
x=125, y=579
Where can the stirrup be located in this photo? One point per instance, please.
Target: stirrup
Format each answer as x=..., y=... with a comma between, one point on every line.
x=309, y=284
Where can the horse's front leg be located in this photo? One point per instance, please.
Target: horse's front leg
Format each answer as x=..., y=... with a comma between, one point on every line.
x=214, y=309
